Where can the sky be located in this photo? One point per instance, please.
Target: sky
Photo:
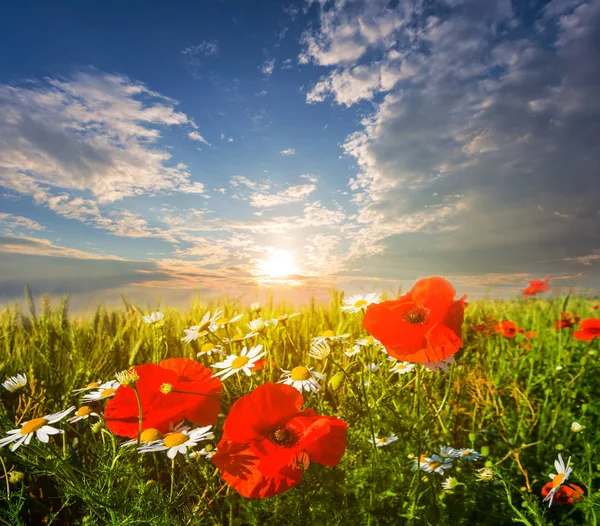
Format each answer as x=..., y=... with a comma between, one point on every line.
x=168, y=149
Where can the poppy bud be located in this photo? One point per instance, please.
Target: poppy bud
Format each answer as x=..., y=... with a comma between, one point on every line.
x=485, y=451
x=337, y=381
x=472, y=437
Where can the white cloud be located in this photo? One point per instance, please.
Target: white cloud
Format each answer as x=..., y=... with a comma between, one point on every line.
x=12, y=222
x=207, y=48
x=195, y=136
x=268, y=67
x=292, y=194
x=288, y=151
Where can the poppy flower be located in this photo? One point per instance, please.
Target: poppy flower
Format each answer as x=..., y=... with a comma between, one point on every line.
x=566, y=494
x=507, y=328
x=424, y=325
x=174, y=390
x=268, y=441
x=566, y=321
x=536, y=286
x=588, y=330
x=530, y=334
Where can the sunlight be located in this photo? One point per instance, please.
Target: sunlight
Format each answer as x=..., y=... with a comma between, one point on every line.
x=280, y=264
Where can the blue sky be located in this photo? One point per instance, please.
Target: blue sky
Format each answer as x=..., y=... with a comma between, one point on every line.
x=232, y=146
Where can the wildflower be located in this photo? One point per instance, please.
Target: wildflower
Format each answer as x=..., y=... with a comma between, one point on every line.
x=449, y=484
x=154, y=317
x=209, y=348
x=401, y=367
x=566, y=494
x=194, y=396
x=588, y=330
x=127, y=377
x=207, y=452
x=385, y=441
x=302, y=378
x=467, y=453
x=559, y=368
x=38, y=426
x=355, y=350
x=358, y=303
x=257, y=325
x=416, y=463
x=442, y=365
x=562, y=474
x=178, y=442
x=369, y=340
x=319, y=350
x=89, y=387
x=244, y=362
x=329, y=336
x=436, y=464
x=83, y=413
x=424, y=325
x=14, y=383
x=255, y=307
x=206, y=326
x=268, y=441
x=259, y=365
x=146, y=436
x=14, y=477
x=223, y=321
x=104, y=391
x=567, y=320
x=448, y=452
x=484, y=474
x=530, y=334
x=282, y=320
x=536, y=286
x=372, y=367
x=576, y=427
x=240, y=337
x=507, y=328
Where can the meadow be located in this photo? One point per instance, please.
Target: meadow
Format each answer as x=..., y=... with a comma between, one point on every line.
x=485, y=431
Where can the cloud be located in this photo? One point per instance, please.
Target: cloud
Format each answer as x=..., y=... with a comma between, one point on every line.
x=288, y=151
x=292, y=194
x=11, y=222
x=268, y=67
x=207, y=48
x=43, y=247
x=195, y=136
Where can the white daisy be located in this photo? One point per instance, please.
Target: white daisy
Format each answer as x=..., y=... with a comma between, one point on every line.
x=153, y=318
x=106, y=390
x=282, y=320
x=84, y=412
x=37, y=426
x=436, y=464
x=358, y=303
x=257, y=325
x=209, y=348
x=240, y=337
x=484, y=474
x=372, y=367
x=206, y=326
x=15, y=382
x=244, y=362
x=576, y=427
x=385, y=441
x=179, y=442
x=562, y=474
x=469, y=454
x=152, y=435
x=319, y=350
x=355, y=350
x=450, y=483
x=302, y=378
x=443, y=365
x=369, y=340
x=329, y=337
x=255, y=307
x=448, y=452
x=401, y=367
x=88, y=387
x=208, y=452
x=224, y=321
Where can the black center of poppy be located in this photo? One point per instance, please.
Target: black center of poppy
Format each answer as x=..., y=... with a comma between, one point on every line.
x=283, y=436
x=416, y=315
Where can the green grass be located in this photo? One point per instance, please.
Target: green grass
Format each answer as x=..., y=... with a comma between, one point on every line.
x=499, y=397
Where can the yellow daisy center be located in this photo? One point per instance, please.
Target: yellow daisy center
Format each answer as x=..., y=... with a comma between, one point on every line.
x=165, y=388
x=328, y=334
x=381, y=440
x=175, y=439
x=33, y=425
x=422, y=458
x=360, y=304
x=435, y=464
x=557, y=480
x=107, y=392
x=400, y=366
x=222, y=321
x=84, y=410
x=300, y=374
x=239, y=362
x=465, y=453
x=93, y=385
x=208, y=347
x=238, y=337
x=150, y=435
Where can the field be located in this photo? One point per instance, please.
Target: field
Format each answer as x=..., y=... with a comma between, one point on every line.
x=510, y=398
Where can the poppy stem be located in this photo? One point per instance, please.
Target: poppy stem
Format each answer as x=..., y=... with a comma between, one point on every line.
x=5, y=476
x=372, y=427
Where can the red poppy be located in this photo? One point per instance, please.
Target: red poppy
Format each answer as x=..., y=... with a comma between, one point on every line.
x=507, y=328
x=536, y=286
x=163, y=391
x=588, y=330
x=263, y=364
x=530, y=334
x=423, y=326
x=565, y=494
x=268, y=441
x=566, y=321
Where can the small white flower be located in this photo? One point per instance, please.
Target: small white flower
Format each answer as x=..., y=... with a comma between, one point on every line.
x=385, y=441
x=484, y=474
x=207, y=452
x=401, y=367
x=84, y=412
x=576, y=427
x=450, y=483
x=153, y=318
x=255, y=307
x=559, y=367
x=106, y=390
x=302, y=378
x=467, y=453
x=240, y=337
x=436, y=464
x=15, y=382
x=154, y=435
x=443, y=365
x=358, y=303
x=562, y=474
x=244, y=362
x=319, y=350
x=209, y=348
x=448, y=452
x=206, y=326
x=282, y=320
x=329, y=337
x=89, y=387
x=178, y=442
x=355, y=350
x=37, y=426
x=224, y=321
x=368, y=341
x=257, y=325
x=372, y=367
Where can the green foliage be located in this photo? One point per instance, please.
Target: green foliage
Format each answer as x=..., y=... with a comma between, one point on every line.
x=511, y=398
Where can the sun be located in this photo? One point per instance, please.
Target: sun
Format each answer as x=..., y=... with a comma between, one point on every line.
x=279, y=265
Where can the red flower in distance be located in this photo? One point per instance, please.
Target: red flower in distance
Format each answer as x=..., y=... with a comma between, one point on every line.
x=566, y=494
x=163, y=391
x=424, y=325
x=507, y=328
x=566, y=321
x=536, y=286
x=588, y=330
x=268, y=441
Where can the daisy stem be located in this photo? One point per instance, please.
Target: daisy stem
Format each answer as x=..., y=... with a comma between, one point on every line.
x=418, y=395
x=5, y=476
x=172, y=478
x=372, y=427
x=291, y=341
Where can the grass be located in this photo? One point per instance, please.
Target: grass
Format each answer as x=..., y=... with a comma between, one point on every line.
x=511, y=399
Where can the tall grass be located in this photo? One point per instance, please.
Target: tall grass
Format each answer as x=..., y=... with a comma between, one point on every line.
x=512, y=399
